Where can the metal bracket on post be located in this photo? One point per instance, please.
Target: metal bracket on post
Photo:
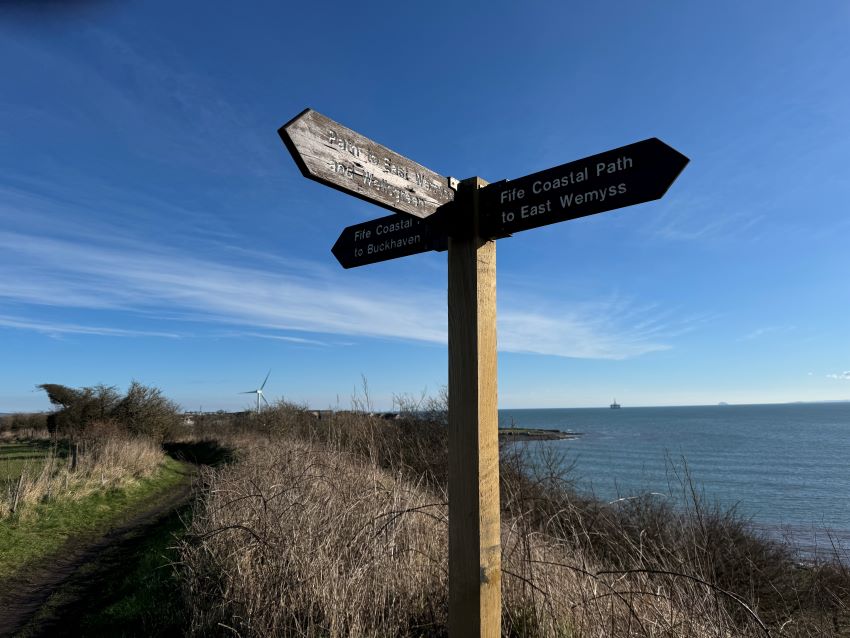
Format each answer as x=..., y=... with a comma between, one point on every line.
x=448, y=219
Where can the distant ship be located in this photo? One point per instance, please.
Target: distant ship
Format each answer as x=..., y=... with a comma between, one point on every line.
x=615, y=405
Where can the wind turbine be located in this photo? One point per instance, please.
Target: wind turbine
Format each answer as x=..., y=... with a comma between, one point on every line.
x=259, y=392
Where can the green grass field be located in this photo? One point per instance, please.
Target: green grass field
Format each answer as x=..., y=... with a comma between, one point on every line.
x=29, y=455
x=47, y=526
x=138, y=593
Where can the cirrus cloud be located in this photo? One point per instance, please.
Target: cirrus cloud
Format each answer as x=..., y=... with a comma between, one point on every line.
x=844, y=376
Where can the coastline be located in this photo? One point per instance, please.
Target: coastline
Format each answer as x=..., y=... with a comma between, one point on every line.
x=536, y=434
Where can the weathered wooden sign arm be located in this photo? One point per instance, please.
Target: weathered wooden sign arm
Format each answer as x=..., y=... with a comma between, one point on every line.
x=332, y=154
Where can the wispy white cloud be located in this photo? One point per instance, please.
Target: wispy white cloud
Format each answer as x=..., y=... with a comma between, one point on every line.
x=695, y=218
x=571, y=337
x=61, y=273
x=766, y=331
x=81, y=242
x=167, y=285
x=277, y=337
x=611, y=327
x=56, y=329
x=844, y=376
x=66, y=252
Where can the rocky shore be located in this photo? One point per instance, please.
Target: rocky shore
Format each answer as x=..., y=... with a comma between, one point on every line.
x=535, y=434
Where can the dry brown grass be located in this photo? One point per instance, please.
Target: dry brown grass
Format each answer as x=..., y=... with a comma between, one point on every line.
x=106, y=459
x=300, y=539
x=338, y=528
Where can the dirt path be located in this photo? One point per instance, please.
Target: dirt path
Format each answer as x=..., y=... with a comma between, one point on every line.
x=22, y=596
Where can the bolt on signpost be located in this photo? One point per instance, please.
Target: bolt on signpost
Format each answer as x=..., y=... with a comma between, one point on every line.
x=432, y=212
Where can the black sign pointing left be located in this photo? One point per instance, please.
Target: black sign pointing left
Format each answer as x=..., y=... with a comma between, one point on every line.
x=386, y=238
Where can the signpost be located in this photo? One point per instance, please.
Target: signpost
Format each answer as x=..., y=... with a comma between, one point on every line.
x=338, y=157
x=468, y=224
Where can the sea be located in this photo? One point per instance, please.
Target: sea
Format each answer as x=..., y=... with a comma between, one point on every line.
x=785, y=467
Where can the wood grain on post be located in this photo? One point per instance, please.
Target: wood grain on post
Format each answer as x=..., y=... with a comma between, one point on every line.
x=474, y=526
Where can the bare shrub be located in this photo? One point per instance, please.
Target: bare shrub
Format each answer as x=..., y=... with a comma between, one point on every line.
x=23, y=425
x=143, y=410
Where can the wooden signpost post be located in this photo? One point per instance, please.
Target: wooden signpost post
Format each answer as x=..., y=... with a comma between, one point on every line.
x=435, y=212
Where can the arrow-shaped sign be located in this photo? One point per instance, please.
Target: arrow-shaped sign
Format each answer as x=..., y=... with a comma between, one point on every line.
x=338, y=157
x=625, y=176
x=386, y=238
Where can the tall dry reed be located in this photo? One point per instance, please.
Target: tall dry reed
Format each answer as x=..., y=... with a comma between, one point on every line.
x=298, y=539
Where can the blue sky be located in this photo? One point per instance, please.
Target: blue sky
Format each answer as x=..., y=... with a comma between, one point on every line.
x=153, y=226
